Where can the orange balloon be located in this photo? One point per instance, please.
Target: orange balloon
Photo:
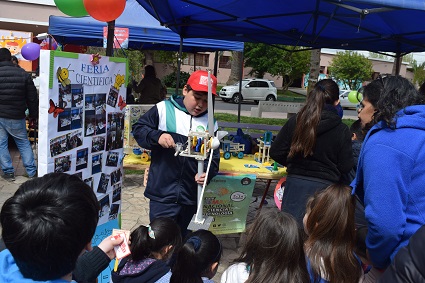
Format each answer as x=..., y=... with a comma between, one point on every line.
x=105, y=10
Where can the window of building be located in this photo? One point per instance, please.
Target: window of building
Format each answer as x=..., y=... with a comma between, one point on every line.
x=225, y=62
x=202, y=60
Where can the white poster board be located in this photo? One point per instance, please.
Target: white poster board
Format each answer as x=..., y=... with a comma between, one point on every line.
x=81, y=122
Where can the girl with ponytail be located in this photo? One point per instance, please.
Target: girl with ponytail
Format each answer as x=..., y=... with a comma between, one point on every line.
x=315, y=146
x=198, y=259
x=151, y=246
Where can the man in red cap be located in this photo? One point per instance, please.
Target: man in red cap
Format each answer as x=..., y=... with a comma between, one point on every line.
x=172, y=181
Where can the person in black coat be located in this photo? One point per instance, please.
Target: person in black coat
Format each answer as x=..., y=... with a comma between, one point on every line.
x=315, y=146
x=408, y=266
x=17, y=93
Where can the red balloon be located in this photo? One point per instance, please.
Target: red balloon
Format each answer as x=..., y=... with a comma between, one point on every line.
x=105, y=10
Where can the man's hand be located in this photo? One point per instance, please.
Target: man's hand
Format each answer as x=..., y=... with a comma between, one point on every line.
x=33, y=123
x=200, y=179
x=166, y=141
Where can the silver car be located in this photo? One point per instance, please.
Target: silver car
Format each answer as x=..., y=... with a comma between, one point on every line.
x=252, y=89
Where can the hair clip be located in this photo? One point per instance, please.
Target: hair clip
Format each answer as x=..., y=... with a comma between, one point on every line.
x=195, y=241
x=322, y=88
x=151, y=233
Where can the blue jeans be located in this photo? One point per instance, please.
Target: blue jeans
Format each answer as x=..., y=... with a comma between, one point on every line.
x=16, y=129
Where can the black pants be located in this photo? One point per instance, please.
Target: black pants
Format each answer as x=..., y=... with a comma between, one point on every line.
x=297, y=191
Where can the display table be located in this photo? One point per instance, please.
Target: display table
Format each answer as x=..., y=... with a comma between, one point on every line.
x=248, y=165
x=234, y=165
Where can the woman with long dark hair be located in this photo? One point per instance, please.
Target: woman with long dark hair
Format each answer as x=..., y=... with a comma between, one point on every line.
x=315, y=146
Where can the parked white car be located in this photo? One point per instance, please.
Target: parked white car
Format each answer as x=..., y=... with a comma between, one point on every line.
x=343, y=99
x=252, y=89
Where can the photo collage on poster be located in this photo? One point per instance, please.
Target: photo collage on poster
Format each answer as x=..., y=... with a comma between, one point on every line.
x=87, y=140
x=70, y=100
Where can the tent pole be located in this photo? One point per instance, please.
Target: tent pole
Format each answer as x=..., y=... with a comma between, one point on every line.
x=110, y=38
x=179, y=62
x=240, y=88
x=215, y=73
x=397, y=63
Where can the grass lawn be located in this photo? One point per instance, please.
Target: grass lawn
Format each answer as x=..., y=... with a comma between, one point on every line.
x=225, y=117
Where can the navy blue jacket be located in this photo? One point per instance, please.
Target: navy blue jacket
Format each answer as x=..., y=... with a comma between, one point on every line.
x=171, y=178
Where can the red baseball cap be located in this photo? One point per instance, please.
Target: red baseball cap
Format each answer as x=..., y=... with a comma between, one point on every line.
x=198, y=81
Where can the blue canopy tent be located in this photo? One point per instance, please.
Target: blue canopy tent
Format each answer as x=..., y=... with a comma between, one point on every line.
x=373, y=25
x=145, y=32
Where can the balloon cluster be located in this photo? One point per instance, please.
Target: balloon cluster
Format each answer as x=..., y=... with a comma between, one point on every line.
x=101, y=10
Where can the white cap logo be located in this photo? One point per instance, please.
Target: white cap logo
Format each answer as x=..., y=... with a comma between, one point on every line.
x=203, y=80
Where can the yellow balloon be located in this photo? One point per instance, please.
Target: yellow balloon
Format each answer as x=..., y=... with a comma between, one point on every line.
x=355, y=96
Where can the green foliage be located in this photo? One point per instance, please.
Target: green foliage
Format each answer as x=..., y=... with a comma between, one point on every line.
x=168, y=57
x=378, y=56
x=135, y=59
x=277, y=61
x=418, y=73
x=171, y=79
x=351, y=68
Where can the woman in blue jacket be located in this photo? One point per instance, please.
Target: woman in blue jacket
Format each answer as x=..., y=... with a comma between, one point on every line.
x=391, y=171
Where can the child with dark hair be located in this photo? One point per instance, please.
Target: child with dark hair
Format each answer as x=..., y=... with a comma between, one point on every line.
x=273, y=252
x=329, y=224
x=46, y=225
x=151, y=246
x=198, y=259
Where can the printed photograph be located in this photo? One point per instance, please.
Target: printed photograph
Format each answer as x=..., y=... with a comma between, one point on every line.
x=64, y=121
x=77, y=95
x=104, y=206
x=113, y=214
x=76, y=118
x=82, y=159
x=98, y=144
x=112, y=96
x=116, y=193
x=58, y=145
x=96, y=163
x=112, y=159
x=116, y=176
x=115, y=128
x=63, y=164
x=103, y=184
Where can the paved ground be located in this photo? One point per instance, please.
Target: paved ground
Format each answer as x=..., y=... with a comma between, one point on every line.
x=135, y=209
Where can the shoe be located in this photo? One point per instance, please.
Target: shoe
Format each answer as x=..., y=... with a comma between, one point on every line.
x=30, y=177
x=9, y=177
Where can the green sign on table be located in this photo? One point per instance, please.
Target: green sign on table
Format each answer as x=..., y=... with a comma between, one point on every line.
x=226, y=199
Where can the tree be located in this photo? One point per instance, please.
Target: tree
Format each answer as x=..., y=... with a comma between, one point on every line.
x=351, y=68
x=236, y=67
x=314, y=69
x=418, y=73
x=277, y=61
x=374, y=55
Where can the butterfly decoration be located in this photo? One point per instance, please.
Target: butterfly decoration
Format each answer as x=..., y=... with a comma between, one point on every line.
x=55, y=109
x=121, y=103
x=119, y=80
